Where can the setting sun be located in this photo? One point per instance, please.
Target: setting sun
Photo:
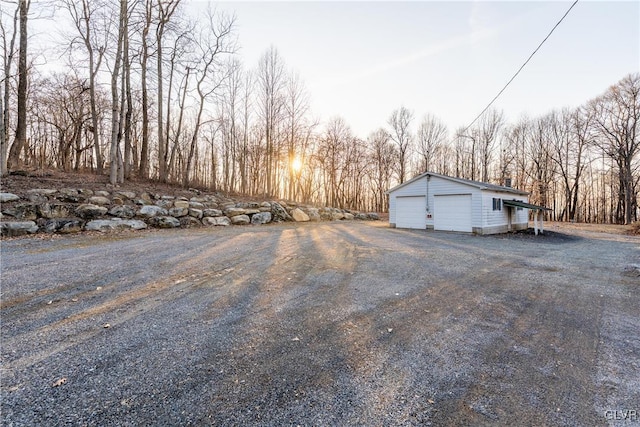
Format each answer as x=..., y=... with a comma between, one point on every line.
x=296, y=164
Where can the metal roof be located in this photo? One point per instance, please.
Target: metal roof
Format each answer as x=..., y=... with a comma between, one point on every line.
x=477, y=184
x=520, y=204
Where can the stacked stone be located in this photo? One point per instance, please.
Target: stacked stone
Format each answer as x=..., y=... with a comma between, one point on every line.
x=71, y=210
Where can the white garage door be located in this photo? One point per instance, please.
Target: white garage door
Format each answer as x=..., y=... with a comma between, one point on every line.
x=411, y=212
x=452, y=213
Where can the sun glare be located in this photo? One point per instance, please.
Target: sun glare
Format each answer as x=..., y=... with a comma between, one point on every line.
x=296, y=164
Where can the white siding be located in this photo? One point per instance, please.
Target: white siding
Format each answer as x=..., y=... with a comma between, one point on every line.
x=491, y=218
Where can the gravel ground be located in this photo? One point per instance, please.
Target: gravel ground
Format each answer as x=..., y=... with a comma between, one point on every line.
x=321, y=324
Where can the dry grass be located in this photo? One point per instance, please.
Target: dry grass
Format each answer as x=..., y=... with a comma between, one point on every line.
x=594, y=228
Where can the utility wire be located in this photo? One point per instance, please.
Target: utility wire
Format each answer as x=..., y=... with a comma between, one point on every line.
x=521, y=67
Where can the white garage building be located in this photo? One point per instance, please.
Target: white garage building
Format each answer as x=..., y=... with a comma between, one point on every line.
x=440, y=202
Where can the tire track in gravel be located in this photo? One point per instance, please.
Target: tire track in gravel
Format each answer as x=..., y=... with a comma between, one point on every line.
x=133, y=296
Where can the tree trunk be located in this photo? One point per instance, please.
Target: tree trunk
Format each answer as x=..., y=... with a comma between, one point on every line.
x=143, y=169
x=21, y=127
x=127, y=87
x=115, y=107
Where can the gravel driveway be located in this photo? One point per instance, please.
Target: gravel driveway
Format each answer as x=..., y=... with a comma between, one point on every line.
x=321, y=324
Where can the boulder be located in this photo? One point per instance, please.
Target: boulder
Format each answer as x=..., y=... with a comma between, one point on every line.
x=8, y=197
x=240, y=219
x=362, y=216
x=216, y=220
x=69, y=195
x=122, y=211
x=247, y=205
x=299, y=215
x=261, y=218
x=164, y=203
x=64, y=225
x=164, y=222
x=181, y=204
x=86, y=192
x=115, y=224
x=189, y=222
x=233, y=211
x=348, y=216
x=196, y=205
x=314, y=214
x=150, y=211
x=117, y=200
x=373, y=216
x=178, y=212
x=102, y=193
x=88, y=211
x=325, y=214
x=42, y=191
x=37, y=198
x=99, y=200
x=196, y=213
x=146, y=198
x=20, y=228
x=25, y=211
x=54, y=210
x=212, y=212
x=130, y=195
x=337, y=215
x=278, y=213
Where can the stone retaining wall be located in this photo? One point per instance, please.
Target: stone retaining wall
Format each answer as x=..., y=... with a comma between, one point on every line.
x=70, y=210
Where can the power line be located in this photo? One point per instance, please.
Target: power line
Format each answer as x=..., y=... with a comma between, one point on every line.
x=522, y=66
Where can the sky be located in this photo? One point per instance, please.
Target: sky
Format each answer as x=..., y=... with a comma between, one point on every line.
x=361, y=60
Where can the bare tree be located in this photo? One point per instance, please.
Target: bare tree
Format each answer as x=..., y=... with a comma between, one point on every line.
x=516, y=140
x=115, y=154
x=21, y=126
x=399, y=122
x=464, y=145
x=127, y=98
x=570, y=134
x=144, y=59
x=82, y=14
x=488, y=131
x=62, y=116
x=217, y=42
x=383, y=154
x=271, y=79
x=331, y=156
x=165, y=10
x=8, y=48
x=542, y=167
x=296, y=107
x=617, y=118
x=432, y=135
